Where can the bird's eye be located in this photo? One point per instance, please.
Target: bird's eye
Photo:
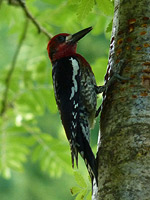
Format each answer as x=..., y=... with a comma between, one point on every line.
x=61, y=38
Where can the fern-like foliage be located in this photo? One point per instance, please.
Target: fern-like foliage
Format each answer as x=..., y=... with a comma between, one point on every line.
x=20, y=135
x=106, y=7
x=52, y=154
x=14, y=147
x=84, y=8
x=17, y=142
x=109, y=27
x=83, y=189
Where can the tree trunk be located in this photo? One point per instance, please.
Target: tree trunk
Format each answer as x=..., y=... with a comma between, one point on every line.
x=124, y=146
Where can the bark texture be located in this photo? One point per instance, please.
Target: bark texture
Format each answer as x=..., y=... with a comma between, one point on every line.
x=124, y=146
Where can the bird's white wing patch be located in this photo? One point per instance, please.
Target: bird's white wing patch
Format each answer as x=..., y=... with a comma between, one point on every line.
x=75, y=67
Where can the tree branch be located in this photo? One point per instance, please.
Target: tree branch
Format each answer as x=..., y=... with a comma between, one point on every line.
x=11, y=70
x=35, y=22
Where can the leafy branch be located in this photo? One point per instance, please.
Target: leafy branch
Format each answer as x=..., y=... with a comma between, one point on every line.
x=83, y=189
x=52, y=154
x=11, y=70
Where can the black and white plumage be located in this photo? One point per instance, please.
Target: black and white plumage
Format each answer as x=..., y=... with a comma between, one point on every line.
x=77, y=105
x=74, y=85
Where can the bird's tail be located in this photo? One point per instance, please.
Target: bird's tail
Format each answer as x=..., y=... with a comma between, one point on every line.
x=82, y=146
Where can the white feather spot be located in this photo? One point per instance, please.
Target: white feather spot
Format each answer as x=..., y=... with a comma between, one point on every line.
x=74, y=115
x=85, y=131
x=75, y=67
x=74, y=125
x=73, y=134
x=75, y=104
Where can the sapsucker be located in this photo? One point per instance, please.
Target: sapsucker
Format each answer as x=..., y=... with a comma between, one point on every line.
x=76, y=94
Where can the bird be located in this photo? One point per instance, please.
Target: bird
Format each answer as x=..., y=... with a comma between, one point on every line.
x=76, y=95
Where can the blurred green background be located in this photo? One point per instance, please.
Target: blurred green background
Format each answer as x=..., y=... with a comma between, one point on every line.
x=35, y=161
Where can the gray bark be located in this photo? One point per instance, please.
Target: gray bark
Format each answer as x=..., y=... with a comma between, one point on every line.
x=124, y=146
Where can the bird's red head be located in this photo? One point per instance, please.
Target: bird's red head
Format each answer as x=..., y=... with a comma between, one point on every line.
x=64, y=44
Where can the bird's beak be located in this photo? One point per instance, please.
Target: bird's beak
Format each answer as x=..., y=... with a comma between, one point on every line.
x=77, y=36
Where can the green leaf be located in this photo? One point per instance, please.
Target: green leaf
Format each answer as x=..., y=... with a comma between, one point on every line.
x=51, y=153
x=81, y=195
x=14, y=147
x=89, y=196
x=5, y=172
x=84, y=8
x=106, y=6
x=83, y=190
x=73, y=2
x=15, y=165
x=75, y=190
x=109, y=27
x=36, y=153
x=79, y=179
